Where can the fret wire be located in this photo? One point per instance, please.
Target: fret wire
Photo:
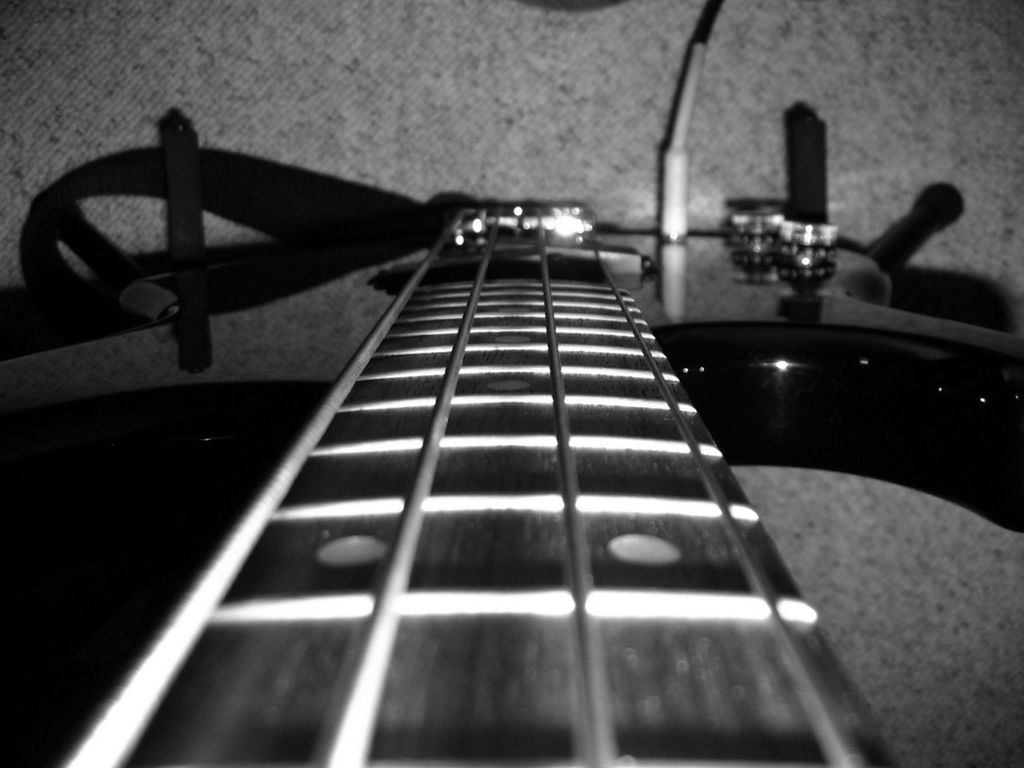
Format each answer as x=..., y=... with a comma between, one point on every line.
x=520, y=303
x=439, y=318
x=489, y=370
x=125, y=716
x=822, y=709
x=633, y=763
x=595, y=349
x=596, y=741
x=357, y=701
x=501, y=289
x=513, y=329
x=597, y=401
x=686, y=605
x=581, y=442
x=556, y=286
x=587, y=504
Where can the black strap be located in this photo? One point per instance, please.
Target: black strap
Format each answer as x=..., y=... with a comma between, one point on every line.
x=300, y=208
x=185, y=240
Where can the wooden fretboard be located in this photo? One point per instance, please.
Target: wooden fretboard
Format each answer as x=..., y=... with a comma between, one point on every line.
x=513, y=543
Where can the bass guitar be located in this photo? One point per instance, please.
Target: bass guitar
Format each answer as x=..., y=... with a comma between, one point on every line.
x=505, y=536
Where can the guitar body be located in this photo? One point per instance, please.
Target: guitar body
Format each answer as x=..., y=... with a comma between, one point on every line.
x=735, y=365
x=938, y=415
x=123, y=498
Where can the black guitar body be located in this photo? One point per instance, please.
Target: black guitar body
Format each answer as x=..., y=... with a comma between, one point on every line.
x=939, y=416
x=115, y=503
x=122, y=498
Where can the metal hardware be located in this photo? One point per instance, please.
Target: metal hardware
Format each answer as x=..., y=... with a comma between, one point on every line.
x=806, y=255
x=568, y=227
x=754, y=237
x=564, y=223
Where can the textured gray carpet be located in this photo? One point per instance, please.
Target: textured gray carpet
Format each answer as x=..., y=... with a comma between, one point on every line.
x=922, y=601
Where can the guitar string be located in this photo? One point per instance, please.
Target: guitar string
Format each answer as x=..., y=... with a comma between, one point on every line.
x=357, y=699
x=822, y=708
x=596, y=739
x=126, y=714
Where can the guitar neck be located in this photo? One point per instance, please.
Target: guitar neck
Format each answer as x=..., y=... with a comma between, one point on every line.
x=506, y=538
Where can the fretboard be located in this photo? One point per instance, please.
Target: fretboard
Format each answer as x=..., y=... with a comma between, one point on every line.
x=513, y=542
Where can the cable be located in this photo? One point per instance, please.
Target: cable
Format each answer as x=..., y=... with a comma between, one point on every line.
x=708, y=14
x=675, y=169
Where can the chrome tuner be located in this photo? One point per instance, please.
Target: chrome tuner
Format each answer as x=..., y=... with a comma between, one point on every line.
x=806, y=255
x=754, y=238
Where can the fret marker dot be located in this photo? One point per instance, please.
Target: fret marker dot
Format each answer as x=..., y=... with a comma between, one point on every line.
x=641, y=549
x=351, y=551
x=507, y=385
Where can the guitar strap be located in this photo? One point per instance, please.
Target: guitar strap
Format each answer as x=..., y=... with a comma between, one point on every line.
x=185, y=240
x=310, y=215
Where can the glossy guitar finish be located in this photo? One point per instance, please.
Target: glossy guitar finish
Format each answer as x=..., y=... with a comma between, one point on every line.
x=942, y=416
